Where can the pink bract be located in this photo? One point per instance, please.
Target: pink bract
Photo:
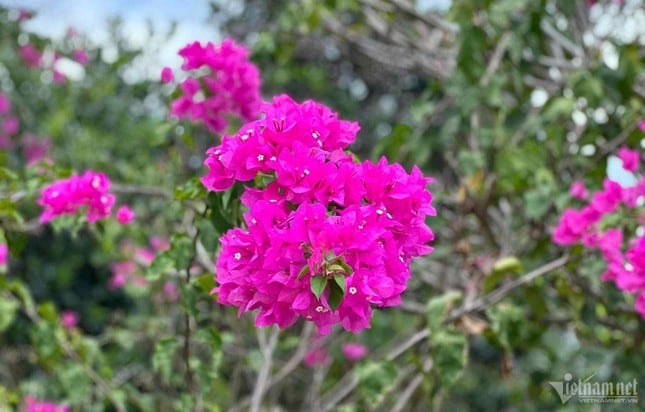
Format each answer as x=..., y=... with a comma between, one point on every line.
x=630, y=158
x=125, y=215
x=354, y=351
x=81, y=56
x=69, y=319
x=4, y=254
x=34, y=405
x=578, y=190
x=167, y=75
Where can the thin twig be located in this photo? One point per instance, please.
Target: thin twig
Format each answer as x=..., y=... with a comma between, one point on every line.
x=498, y=294
x=613, y=144
x=266, y=348
x=140, y=190
x=495, y=59
x=349, y=382
x=561, y=39
x=303, y=348
x=407, y=393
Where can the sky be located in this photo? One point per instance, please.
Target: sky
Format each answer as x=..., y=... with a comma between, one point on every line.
x=90, y=18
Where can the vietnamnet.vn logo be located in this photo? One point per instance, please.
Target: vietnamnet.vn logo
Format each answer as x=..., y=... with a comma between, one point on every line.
x=588, y=391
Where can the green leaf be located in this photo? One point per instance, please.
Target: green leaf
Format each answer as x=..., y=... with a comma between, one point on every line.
x=8, y=308
x=189, y=296
x=335, y=268
x=507, y=322
x=339, y=280
x=508, y=264
x=7, y=174
x=437, y=309
x=336, y=291
x=207, y=233
x=348, y=269
x=23, y=293
x=501, y=268
x=449, y=355
x=162, y=262
x=375, y=379
x=318, y=284
x=211, y=336
x=48, y=312
x=162, y=357
x=181, y=250
x=206, y=282
x=192, y=189
x=448, y=345
x=178, y=257
x=303, y=271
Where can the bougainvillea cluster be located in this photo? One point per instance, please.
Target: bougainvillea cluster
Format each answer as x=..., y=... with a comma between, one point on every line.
x=597, y=226
x=326, y=238
x=34, y=405
x=9, y=124
x=222, y=82
x=125, y=215
x=35, y=148
x=4, y=254
x=89, y=191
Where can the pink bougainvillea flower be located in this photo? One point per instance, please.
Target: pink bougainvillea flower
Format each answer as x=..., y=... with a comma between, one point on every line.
x=32, y=404
x=117, y=281
x=630, y=158
x=58, y=77
x=125, y=215
x=5, y=142
x=598, y=225
x=171, y=292
x=89, y=191
x=320, y=216
x=69, y=319
x=640, y=304
x=10, y=125
x=641, y=125
x=121, y=273
x=167, y=75
x=30, y=55
x=145, y=256
x=230, y=86
x=24, y=15
x=81, y=56
x=5, y=104
x=317, y=356
x=354, y=351
x=4, y=254
x=159, y=244
x=34, y=148
x=578, y=190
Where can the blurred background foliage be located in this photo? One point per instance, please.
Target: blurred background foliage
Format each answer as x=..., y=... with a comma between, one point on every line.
x=505, y=103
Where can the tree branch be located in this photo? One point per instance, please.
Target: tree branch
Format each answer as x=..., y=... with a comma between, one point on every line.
x=266, y=348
